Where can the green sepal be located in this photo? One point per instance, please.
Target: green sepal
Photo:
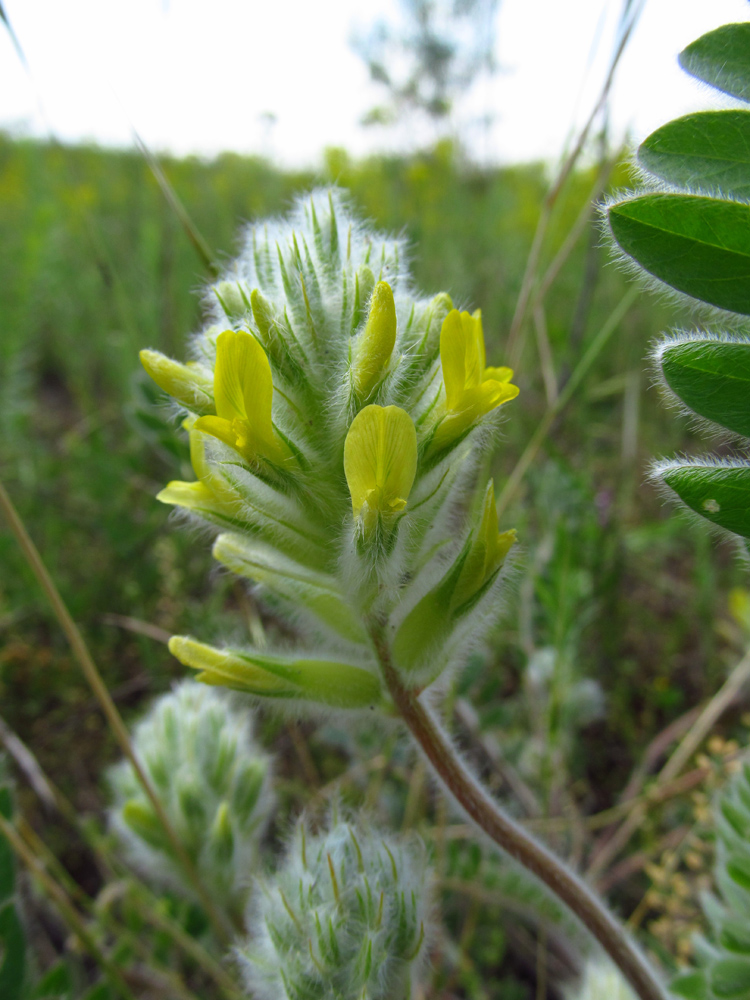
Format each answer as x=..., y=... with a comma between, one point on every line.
x=189, y=384
x=246, y=788
x=318, y=592
x=738, y=869
x=232, y=299
x=720, y=493
x=712, y=377
x=273, y=340
x=722, y=59
x=730, y=979
x=326, y=682
x=429, y=623
x=142, y=820
x=221, y=838
x=691, y=986
x=698, y=245
x=705, y=151
x=735, y=936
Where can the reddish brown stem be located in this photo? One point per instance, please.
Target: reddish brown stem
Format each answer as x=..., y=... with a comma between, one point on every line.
x=512, y=838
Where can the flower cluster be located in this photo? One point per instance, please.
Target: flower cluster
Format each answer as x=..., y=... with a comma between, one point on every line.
x=214, y=782
x=347, y=916
x=336, y=422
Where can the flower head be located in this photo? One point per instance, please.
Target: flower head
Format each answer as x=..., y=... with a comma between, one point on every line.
x=471, y=389
x=339, y=390
x=346, y=916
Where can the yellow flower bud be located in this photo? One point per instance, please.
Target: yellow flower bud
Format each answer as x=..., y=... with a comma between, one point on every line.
x=186, y=383
x=486, y=554
x=374, y=346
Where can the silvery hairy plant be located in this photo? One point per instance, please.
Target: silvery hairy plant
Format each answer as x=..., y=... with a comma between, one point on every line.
x=338, y=421
x=214, y=781
x=346, y=916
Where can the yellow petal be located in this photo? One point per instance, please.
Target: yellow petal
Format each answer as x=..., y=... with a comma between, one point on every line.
x=218, y=427
x=497, y=374
x=243, y=386
x=380, y=458
x=479, y=337
x=376, y=342
x=453, y=358
x=474, y=404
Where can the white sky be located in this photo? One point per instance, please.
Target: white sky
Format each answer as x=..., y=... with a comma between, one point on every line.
x=198, y=75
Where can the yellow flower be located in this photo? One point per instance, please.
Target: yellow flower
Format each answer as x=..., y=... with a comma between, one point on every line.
x=375, y=344
x=208, y=494
x=486, y=554
x=380, y=462
x=243, y=393
x=471, y=390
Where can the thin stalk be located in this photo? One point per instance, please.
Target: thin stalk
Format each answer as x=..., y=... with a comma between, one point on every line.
x=511, y=837
x=141, y=894
x=191, y=230
x=109, y=708
x=66, y=908
x=104, y=916
x=514, y=480
x=532, y=263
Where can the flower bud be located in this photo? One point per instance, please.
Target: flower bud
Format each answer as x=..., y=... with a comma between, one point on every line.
x=213, y=781
x=373, y=348
x=232, y=299
x=327, y=682
x=188, y=384
x=347, y=916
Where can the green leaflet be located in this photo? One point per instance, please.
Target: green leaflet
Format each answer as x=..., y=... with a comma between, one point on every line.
x=698, y=245
x=708, y=151
x=721, y=494
x=691, y=986
x=722, y=58
x=730, y=979
x=712, y=378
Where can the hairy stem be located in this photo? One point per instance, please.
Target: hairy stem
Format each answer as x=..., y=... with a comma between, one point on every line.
x=512, y=838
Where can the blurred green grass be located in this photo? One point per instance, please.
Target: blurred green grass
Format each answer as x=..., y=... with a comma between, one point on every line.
x=95, y=266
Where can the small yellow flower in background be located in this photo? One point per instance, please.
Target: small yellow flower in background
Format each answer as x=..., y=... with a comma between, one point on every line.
x=376, y=342
x=471, y=390
x=243, y=393
x=487, y=553
x=380, y=462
